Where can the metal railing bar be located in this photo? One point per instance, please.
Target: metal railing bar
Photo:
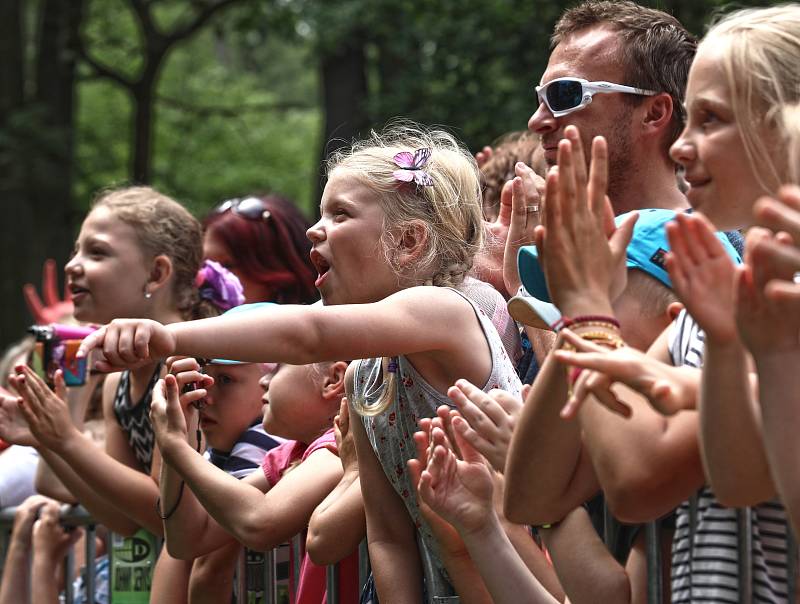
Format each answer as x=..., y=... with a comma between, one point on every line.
x=655, y=585
x=90, y=562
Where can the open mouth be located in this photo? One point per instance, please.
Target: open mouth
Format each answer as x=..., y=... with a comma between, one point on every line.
x=322, y=266
x=77, y=290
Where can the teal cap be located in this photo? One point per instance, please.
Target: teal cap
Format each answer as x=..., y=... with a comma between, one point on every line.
x=645, y=252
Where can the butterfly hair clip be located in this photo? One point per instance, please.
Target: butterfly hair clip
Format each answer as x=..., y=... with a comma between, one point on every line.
x=411, y=167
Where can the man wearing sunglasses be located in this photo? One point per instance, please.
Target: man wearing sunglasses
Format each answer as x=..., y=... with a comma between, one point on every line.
x=619, y=70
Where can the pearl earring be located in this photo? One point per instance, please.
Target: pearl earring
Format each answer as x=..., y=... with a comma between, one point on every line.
x=148, y=295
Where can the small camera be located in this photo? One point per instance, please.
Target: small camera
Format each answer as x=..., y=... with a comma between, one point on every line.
x=56, y=348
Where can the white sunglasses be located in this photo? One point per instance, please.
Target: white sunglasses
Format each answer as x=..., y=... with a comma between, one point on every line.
x=565, y=95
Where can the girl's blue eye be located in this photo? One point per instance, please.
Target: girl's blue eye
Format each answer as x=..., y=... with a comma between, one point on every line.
x=223, y=380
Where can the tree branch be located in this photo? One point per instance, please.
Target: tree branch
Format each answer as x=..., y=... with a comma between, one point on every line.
x=101, y=70
x=208, y=11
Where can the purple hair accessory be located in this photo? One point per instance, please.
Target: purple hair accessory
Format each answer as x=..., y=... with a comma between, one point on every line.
x=218, y=285
x=391, y=367
x=411, y=165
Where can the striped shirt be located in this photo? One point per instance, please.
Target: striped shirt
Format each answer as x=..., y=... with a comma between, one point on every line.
x=705, y=552
x=248, y=452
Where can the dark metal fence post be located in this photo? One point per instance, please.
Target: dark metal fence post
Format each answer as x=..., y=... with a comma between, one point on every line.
x=745, y=547
x=332, y=583
x=655, y=584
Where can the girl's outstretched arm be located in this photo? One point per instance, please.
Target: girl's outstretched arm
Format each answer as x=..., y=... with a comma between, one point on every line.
x=390, y=533
x=413, y=320
x=91, y=475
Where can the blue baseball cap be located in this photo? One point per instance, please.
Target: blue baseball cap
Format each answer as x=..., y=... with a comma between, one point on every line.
x=645, y=252
x=242, y=308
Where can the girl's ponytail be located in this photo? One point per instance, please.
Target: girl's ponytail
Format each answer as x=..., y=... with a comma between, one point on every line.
x=388, y=395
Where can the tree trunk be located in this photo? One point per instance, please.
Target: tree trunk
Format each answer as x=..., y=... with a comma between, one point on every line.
x=344, y=88
x=142, y=153
x=37, y=152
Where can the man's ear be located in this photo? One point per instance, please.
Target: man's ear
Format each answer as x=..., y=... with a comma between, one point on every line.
x=673, y=310
x=160, y=272
x=412, y=240
x=333, y=383
x=659, y=112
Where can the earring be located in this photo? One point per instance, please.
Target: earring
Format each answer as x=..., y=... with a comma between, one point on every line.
x=148, y=295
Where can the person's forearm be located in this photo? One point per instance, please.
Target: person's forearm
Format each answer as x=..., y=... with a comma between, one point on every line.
x=397, y=570
x=506, y=576
x=44, y=589
x=587, y=570
x=540, y=485
x=338, y=524
x=15, y=587
x=534, y=559
x=232, y=504
x=734, y=457
x=49, y=484
x=186, y=517
x=229, y=337
x=647, y=464
x=97, y=488
x=779, y=394
x=47, y=481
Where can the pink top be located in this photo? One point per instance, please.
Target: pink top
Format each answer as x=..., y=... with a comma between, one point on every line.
x=311, y=589
x=278, y=460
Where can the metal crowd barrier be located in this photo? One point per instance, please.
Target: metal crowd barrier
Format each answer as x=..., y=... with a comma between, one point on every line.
x=244, y=578
x=78, y=516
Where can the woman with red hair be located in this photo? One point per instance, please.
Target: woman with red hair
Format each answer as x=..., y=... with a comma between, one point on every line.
x=262, y=240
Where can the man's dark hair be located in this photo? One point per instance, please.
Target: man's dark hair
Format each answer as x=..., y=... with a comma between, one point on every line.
x=657, y=51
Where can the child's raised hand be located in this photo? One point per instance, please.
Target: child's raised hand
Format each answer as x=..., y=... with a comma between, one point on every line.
x=486, y=421
x=13, y=427
x=767, y=298
x=458, y=490
x=25, y=516
x=527, y=189
x=167, y=417
x=187, y=372
x=46, y=412
x=51, y=540
x=781, y=214
x=582, y=253
x=596, y=368
x=129, y=343
x=344, y=438
x=703, y=275
x=53, y=309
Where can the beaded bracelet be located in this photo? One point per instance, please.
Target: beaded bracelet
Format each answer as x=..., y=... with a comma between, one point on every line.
x=565, y=321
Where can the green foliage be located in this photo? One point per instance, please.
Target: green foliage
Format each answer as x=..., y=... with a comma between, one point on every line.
x=236, y=110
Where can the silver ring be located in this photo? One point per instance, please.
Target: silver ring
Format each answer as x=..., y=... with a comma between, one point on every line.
x=533, y=208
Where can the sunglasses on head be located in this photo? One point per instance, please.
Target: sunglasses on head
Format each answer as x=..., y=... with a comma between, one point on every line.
x=251, y=208
x=565, y=95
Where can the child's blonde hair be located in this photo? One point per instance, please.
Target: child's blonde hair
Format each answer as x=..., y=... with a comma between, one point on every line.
x=791, y=123
x=760, y=52
x=163, y=226
x=450, y=208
